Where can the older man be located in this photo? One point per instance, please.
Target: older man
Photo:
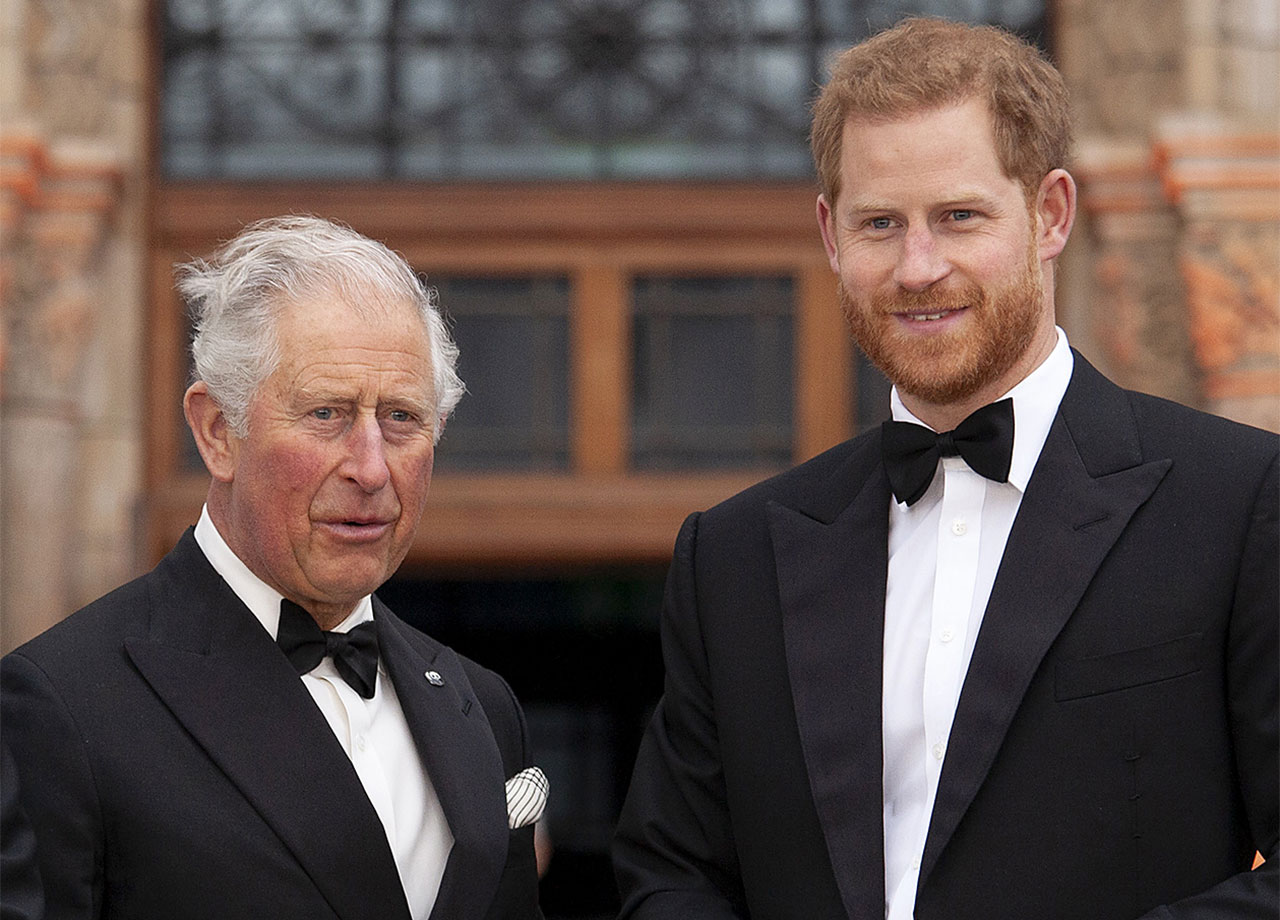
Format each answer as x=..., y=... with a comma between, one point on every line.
x=1013, y=656
x=246, y=731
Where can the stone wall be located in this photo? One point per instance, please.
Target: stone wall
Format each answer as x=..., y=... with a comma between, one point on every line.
x=1179, y=167
x=1224, y=181
x=72, y=233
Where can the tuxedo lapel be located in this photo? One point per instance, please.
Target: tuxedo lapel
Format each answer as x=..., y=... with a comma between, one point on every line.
x=831, y=558
x=1089, y=481
x=225, y=680
x=461, y=757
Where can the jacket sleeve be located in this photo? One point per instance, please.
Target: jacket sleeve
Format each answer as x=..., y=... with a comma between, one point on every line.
x=56, y=790
x=1253, y=693
x=674, y=853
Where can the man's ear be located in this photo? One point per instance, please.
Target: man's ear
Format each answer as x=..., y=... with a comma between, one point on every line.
x=1055, y=212
x=218, y=445
x=827, y=226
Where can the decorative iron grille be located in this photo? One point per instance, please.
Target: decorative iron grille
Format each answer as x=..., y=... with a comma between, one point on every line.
x=510, y=89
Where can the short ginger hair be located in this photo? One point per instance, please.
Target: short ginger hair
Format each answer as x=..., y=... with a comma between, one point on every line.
x=922, y=64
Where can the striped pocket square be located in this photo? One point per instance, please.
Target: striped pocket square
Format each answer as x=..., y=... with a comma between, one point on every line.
x=526, y=797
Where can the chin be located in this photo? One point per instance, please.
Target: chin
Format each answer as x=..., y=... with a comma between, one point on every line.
x=955, y=385
x=353, y=582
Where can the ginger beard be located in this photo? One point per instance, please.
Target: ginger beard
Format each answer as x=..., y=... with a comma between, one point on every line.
x=951, y=366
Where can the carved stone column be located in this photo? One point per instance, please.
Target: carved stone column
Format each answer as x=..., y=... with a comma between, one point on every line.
x=1137, y=312
x=73, y=100
x=1225, y=184
x=56, y=206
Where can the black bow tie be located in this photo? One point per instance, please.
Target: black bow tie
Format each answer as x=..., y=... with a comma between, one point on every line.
x=984, y=440
x=355, y=653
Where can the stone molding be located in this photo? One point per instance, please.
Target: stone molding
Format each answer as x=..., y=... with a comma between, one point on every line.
x=56, y=204
x=58, y=201
x=1225, y=184
x=1137, y=314
x=1203, y=195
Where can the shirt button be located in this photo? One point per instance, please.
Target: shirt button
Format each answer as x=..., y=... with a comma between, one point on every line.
x=360, y=742
x=915, y=864
x=946, y=635
x=959, y=527
x=937, y=752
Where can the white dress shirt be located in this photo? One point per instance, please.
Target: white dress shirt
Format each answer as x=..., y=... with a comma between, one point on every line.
x=373, y=732
x=943, y=555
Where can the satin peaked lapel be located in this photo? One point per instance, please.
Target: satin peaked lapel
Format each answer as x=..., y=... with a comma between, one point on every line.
x=831, y=567
x=461, y=757
x=225, y=680
x=1089, y=481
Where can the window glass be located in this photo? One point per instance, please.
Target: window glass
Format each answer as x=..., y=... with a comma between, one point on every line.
x=712, y=372
x=513, y=339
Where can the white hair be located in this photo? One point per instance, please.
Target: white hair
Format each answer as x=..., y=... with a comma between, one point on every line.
x=236, y=295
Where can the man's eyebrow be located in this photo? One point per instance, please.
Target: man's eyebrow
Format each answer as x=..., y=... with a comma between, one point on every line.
x=417, y=403
x=862, y=207
x=964, y=198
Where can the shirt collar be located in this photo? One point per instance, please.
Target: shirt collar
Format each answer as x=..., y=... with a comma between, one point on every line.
x=1035, y=403
x=262, y=600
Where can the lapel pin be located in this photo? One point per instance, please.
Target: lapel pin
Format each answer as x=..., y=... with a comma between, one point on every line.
x=434, y=678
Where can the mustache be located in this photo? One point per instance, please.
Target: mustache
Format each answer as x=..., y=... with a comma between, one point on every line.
x=929, y=301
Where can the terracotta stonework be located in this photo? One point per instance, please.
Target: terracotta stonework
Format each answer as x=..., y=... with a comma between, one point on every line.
x=1226, y=187
x=1179, y=173
x=69, y=198
x=1137, y=314
x=1122, y=60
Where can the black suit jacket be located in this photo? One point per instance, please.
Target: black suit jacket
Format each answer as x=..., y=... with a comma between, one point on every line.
x=173, y=766
x=21, y=894
x=1114, y=749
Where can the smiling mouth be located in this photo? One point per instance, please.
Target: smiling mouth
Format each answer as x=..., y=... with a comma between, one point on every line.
x=929, y=317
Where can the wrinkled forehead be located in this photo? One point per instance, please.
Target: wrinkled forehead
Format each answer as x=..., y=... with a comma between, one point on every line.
x=328, y=338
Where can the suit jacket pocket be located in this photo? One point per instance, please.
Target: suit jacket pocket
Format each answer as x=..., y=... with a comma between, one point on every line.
x=1083, y=677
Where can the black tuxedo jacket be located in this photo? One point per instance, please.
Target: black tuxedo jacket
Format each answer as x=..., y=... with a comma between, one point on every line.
x=173, y=766
x=1114, y=749
x=21, y=894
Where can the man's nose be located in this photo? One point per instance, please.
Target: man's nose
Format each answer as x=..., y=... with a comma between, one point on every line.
x=921, y=261
x=367, y=457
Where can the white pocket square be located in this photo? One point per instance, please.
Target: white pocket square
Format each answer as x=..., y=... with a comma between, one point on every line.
x=526, y=797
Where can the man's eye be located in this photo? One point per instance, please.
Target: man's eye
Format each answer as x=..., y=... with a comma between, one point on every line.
x=324, y=414
x=961, y=214
x=399, y=415
x=880, y=223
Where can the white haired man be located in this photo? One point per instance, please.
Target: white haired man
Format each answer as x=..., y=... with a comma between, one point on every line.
x=246, y=731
